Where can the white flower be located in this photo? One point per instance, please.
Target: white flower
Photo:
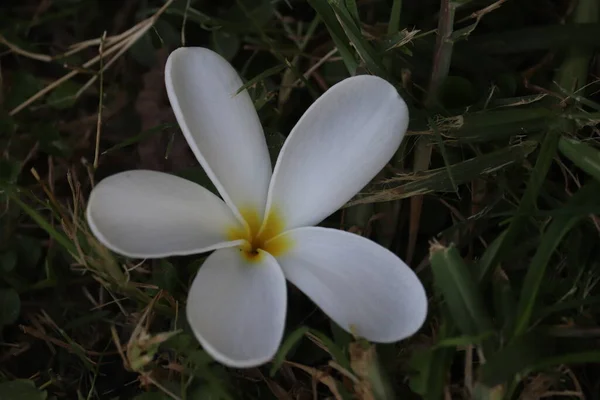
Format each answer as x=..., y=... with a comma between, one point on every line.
x=263, y=230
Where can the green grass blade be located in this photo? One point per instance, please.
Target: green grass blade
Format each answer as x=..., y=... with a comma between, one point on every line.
x=334, y=350
x=337, y=33
x=44, y=224
x=287, y=345
x=141, y=136
x=372, y=60
x=494, y=125
x=584, y=156
x=487, y=261
x=527, y=203
x=517, y=356
x=548, y=244
x=353, y=10
x=260, y=77
x=431, y=365
x=394, y=24
x=460, y=291
x=437, y=180
x=442, y=146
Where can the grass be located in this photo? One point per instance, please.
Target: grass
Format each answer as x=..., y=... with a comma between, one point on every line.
x=492, y=197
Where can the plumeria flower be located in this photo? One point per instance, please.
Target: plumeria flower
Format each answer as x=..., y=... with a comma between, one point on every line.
x=262, y=228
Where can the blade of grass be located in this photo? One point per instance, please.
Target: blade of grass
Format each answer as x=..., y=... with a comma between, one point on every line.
x=367, y=53
x=422, y=158
x=141, y=136
x=437, y=180
x=496, y=125
x=44, y=224
x=584, y=156
x=517, y=356
x=550, y=240
x=439, y=73
x=527, y=204
x=274, y=50
x=460, y=290
x=442, y=146
x=394, y=22
x=287, y=345
x=337, y=33
x=338, y=354
x=260, y=77
x=569, y=71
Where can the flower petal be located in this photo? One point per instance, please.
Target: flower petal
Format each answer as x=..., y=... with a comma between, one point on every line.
x=148, y=214
x=342, y=141
x=362, y=286
x=222, y=128
x=236, y=307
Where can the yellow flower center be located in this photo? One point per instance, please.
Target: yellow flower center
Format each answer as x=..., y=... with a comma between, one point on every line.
x=260, y=236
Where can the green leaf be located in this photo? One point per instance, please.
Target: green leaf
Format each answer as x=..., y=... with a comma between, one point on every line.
x=143, y=50
x=551, y=238
x=63, y=97
x=8, y=126
x=431, y=368
x=10, y=306
x=341, y=337
x=21, y=389
x=8, y=260
x=461, y=341
x=23, y=86
x=205, y=392
x=517, y=356
x=353, y=11
x=505, y=304
x=51, y=140
x=584, y=156
x=225, y=43
x=290, y=341
x=9, y=170
x=460, y=291
x=487, y=263
x=168, y=35
x=164, y=275
x=29, y=251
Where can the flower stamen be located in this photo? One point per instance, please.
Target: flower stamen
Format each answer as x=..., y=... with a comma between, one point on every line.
x=258, y=238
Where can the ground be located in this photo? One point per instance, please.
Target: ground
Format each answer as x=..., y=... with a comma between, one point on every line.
x=492, y=197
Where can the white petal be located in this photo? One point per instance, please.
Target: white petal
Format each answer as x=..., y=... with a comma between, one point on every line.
x=149, y=214
x=236, y=308
x=222, y=128
x=342, y=141
x=362, y=286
